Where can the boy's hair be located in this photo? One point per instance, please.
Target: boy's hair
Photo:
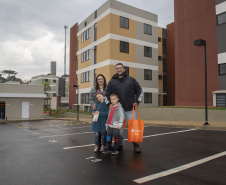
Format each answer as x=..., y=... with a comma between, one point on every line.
x=99, y=93
x=114, y=95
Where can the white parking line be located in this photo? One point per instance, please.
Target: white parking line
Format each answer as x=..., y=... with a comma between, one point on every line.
x=66, y=134
x=66, y=128
x=81, y=146
x=178, y=169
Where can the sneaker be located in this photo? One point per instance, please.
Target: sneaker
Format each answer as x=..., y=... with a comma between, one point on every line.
x=120, y=147
x=137, y=148
x=115, y=152
x=102, y=148
x=96, y=148
x=106, y=151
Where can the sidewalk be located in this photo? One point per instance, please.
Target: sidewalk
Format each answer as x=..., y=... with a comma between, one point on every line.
x=220, y=126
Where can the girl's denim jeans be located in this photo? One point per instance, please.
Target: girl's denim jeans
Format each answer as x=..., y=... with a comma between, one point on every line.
x=100, y=136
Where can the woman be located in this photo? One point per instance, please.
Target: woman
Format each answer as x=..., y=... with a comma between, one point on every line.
x=99, y=87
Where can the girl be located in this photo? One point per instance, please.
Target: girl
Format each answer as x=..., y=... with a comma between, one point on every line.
x=101, y=109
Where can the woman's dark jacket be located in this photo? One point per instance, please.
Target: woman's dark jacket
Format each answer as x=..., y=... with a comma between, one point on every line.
x=99, y=126
x=127, y=89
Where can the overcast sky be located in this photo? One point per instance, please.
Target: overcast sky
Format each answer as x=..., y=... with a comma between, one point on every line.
x=32, y=32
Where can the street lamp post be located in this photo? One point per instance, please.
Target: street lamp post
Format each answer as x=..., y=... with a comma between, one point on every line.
x=201, y=42
x=65, y=27
x=77, y=86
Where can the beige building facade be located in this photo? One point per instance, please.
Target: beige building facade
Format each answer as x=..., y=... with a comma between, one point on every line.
x=118, y=33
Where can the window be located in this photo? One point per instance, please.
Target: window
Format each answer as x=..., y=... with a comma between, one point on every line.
x=86, y=35
x=159, y=39
x=95, y=54
x=54, y=94
x=46, y=80
x=147, y=74
x=95, y=32
x=95, y=14
x=124, y=47
x=77, y=43
x=126, y=70
x=95, y=73
x=124, y=22
x=85, y=98
x=85, y=24
x=54, y=81
x=147, y=97
x=147, y=51
x=85, y=77
x=85, y=55
x=221, y=18
x=222, y=69
x=147, y=29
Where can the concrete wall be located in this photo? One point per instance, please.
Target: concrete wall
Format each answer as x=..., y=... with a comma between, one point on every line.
x=181, y=114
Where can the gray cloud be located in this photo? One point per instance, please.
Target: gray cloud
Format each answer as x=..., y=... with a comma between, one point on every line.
x=32, y=32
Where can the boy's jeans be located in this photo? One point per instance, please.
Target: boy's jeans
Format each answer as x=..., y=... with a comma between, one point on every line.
x=128, y=115
x=102, y=136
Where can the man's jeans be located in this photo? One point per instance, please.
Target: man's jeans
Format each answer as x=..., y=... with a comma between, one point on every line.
x=100, y=136
x=128, y=115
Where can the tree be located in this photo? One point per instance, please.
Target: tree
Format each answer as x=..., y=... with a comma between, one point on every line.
x=11, y=75
x=46, y=86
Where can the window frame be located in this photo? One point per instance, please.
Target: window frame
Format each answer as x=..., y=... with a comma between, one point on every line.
x=148, y=51
x=146, y=97
x=224, y=13
x=147, y=74
x=147, y=29
x=124, y=22
x=219, y=70
x=124, y=47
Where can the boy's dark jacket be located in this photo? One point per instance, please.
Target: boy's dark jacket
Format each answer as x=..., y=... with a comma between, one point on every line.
x=127, y=89
x=99, y=126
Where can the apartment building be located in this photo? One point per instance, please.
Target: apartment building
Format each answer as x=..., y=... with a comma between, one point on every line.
x=220, y=95
x=114, y=33
x=162, y=64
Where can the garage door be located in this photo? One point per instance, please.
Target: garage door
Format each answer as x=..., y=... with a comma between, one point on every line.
x=221, y=100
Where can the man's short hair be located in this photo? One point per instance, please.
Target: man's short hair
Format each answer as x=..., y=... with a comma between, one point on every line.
x=114, y=95
x=120, y=64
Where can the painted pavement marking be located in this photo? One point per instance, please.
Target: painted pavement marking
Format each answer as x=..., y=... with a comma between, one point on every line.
x=178, y=169
x=66, y=134
x=81, y=146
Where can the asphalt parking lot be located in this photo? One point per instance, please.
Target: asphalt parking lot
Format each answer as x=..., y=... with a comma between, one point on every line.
x=56, y=152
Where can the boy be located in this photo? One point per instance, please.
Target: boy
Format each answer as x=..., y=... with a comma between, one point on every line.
x=113, y=125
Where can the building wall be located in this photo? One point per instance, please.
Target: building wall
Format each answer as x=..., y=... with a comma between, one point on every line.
x=194, y=20
x=221, y=42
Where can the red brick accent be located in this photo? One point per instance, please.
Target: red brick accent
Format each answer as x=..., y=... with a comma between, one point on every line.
x=73, y=54
x=194, y=19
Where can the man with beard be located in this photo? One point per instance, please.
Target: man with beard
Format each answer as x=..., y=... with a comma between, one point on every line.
x=130, y=94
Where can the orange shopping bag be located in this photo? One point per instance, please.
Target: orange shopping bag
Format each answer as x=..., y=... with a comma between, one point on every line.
x=135, y=129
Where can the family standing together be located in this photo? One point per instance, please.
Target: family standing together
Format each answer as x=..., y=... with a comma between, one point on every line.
x=110, y=104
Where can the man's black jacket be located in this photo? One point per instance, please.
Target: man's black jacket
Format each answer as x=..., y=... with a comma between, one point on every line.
x=127, y=89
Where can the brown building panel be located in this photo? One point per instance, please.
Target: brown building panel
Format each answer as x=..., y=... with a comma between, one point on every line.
x=194, y=19
x=170, y=35
x=73, y=54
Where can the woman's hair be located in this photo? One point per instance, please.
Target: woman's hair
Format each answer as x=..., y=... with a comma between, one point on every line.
x=97, y=85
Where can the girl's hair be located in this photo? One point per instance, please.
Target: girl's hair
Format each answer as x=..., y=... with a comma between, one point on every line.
x=99, y=93
x=97, y=85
